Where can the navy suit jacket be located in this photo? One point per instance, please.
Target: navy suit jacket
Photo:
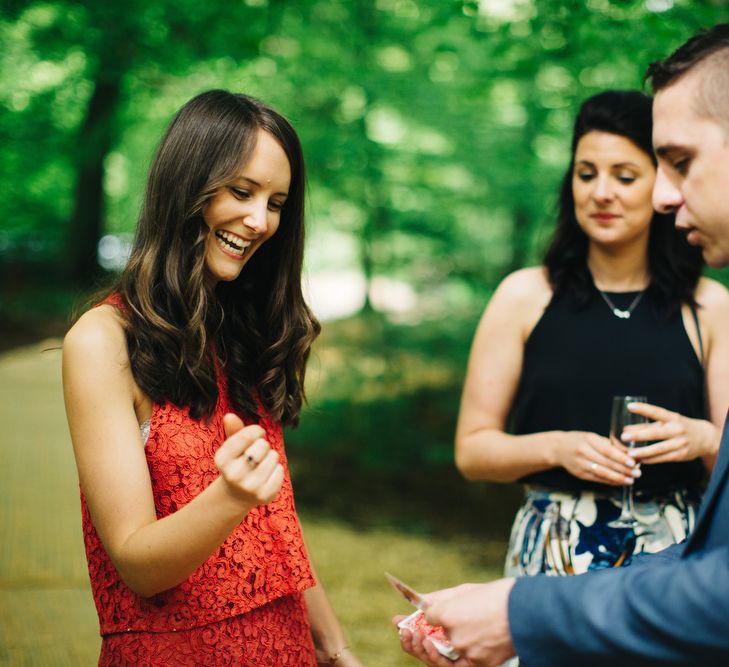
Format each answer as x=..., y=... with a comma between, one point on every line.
x=671, y=608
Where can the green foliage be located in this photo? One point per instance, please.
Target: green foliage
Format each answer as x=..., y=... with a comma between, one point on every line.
x=440, y=126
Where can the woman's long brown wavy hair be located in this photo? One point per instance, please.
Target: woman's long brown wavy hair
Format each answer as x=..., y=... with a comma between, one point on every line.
x=178, y=327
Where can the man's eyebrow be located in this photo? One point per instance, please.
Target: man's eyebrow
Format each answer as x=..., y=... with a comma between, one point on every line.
x=669, y=149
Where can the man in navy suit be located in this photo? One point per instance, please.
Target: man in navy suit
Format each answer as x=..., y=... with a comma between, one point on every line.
x=676, y=610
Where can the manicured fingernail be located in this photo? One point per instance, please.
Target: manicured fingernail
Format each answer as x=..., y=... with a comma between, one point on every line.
x=629, y=462
x=636, y=472
x=628, y=480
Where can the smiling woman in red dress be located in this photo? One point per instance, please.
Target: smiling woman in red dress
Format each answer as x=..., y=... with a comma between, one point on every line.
x=176, y=387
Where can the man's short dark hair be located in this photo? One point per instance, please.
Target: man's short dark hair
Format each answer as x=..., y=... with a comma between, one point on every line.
x=706, y=53
x=698, y=49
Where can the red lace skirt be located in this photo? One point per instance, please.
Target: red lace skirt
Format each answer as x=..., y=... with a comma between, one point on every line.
x=276, y=634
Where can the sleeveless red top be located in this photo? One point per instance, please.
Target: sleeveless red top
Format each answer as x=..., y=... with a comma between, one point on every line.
x=263, y=559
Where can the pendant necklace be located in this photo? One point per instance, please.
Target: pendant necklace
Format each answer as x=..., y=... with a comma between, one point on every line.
x=622, y=314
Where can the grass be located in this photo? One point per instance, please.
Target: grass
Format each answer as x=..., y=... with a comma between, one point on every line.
x=351, y=564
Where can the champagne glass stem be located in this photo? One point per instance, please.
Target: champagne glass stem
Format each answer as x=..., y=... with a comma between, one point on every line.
x=620, y=418
x=628, y=500
x=626, y=518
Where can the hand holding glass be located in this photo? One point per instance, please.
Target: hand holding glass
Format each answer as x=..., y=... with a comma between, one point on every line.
x=619, y=419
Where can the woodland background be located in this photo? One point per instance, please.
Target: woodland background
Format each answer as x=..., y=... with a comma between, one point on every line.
x=436, y=133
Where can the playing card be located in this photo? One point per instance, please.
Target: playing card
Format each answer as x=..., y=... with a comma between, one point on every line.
x=416, y=620
x=411, y=595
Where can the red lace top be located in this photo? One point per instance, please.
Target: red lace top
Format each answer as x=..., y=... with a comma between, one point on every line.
x=263, y=559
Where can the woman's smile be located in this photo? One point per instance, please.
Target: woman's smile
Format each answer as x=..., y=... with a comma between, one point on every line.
x=232, y=244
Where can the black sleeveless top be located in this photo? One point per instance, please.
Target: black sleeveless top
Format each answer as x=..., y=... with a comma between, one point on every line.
x=579, y=356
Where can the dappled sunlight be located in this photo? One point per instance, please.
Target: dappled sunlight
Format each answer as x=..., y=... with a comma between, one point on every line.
x=335, y=294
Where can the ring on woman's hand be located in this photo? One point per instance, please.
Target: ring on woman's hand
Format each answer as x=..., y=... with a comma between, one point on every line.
x=251, y=461
x=593, y=467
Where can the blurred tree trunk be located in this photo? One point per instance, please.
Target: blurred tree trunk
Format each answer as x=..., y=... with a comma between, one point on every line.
x=124, y=29
x=94, y=142
x=376, y=219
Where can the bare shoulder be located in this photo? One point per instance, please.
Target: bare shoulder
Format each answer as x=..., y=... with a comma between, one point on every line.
x=96, y=366
x=526, y=286
x=712, y=295
x=517, y=303
x=523, y=294
x=98, y=335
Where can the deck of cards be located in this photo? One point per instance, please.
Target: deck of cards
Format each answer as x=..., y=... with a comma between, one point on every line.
x=416, y=620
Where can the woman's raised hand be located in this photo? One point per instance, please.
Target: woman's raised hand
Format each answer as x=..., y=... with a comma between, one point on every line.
x=247, y=464
x=594, y=458
x=673, y=436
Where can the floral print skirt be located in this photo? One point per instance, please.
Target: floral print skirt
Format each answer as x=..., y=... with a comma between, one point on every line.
x=559, y=533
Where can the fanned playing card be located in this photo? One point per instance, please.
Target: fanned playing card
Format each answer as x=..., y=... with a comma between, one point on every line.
x=416, y=620
x=410, y=594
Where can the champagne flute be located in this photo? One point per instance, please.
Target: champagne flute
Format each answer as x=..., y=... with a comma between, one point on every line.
x=619, y=419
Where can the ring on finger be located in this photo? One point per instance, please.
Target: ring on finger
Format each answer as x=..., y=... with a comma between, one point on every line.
x=593, y=467
x=251, y=461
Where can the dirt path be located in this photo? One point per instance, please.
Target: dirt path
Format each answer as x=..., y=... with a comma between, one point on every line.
x=46, y=611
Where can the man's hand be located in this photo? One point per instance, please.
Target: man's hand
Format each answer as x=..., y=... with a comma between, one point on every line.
x=475, y=617
x=420, y=647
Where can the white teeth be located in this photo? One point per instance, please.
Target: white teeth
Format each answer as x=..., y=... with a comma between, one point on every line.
x=231, y=242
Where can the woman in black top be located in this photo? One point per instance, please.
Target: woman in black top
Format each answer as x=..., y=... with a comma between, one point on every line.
x=619, y=307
